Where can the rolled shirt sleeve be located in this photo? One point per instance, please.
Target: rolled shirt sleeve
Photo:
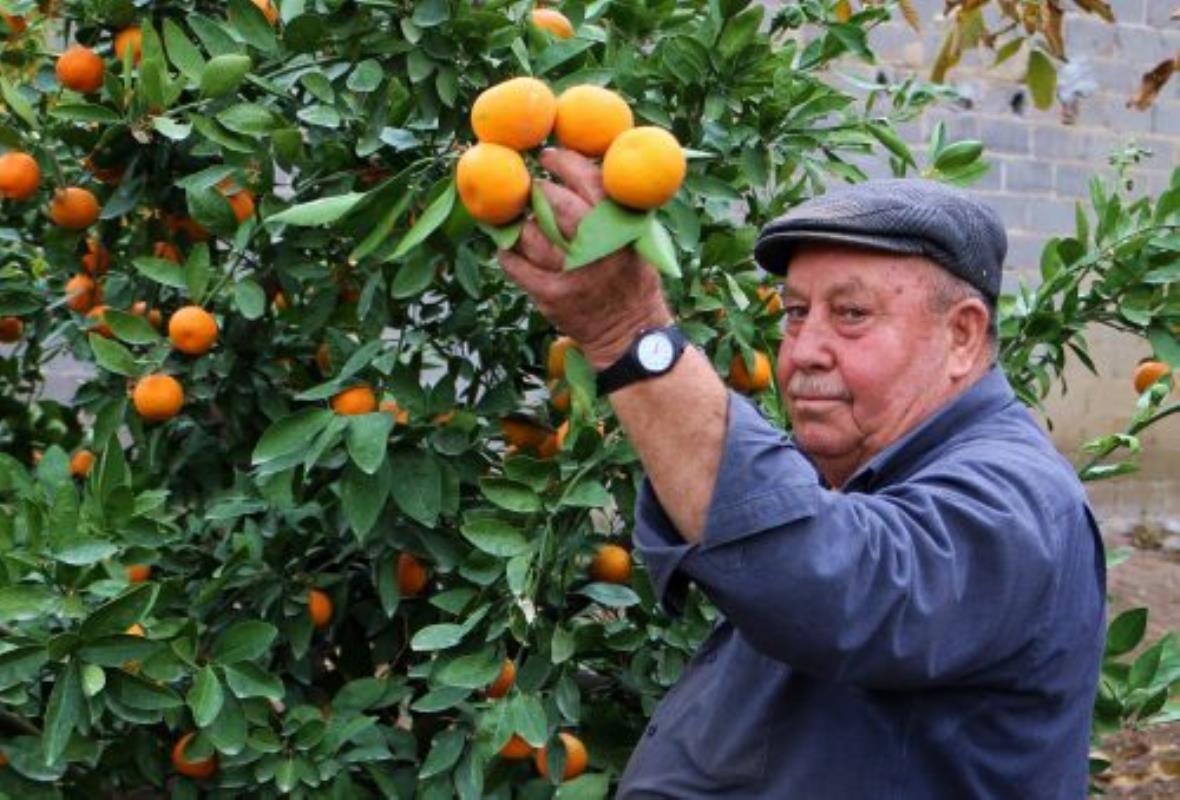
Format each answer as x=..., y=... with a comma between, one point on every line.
x=937, y=578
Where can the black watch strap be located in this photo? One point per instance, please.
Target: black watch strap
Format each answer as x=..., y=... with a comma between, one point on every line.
x=629, y=369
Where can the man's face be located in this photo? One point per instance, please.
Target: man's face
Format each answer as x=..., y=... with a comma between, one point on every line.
x=863, y=358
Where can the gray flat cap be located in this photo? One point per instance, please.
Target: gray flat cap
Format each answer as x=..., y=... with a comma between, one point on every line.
x=904, y=216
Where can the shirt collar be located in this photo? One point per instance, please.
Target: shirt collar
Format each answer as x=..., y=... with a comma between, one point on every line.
x=985, y=397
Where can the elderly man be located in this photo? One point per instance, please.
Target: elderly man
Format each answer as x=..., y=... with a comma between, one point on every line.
x=913, y=585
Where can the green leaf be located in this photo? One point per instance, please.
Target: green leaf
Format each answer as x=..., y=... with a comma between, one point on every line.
x=433, y=217
x=116, y=615
x=205, y=697
x=25, y=602
x=363, y=496
x=323, y=211
x=444, y=753
x=366, y=76
x=543, y=213
x=250, y=119
x=66, y=709
x=183, y=54
x=197, y=272
x=112, y=356
x=884, y=133
x=85, y=552
x=1143, y=671
x=19, y=105
x=413, y=277
x=1165, y=345
x=510, y=495
x=228, y=731
x=586, y=787
x=172, y=129
x=495, y=537
x=418, y=488
x=223, y=74
x=21, y=665
x=529, y=719
x=958, y=155
x=290, y=434
x=610, y=594
x=1041, y=78
x=472, y=671
x=131, y=328
x=1126, y=631
x=85, y=112
x=247, y=679
x=249, y=299
x=562, y=646
x=587, y=493
x=607, y=228
x=655, y=246
x=244, y=641
x=117, y=650
x=368, y=439
x=161, y=271
x=249, y=21
x=437, y=637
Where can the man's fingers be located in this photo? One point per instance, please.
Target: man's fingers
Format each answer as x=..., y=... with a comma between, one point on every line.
x=575, y=171
x=567, y=206
x=533, y=280
x=536, y=247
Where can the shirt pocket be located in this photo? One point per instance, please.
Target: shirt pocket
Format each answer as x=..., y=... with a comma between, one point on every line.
x=729, y=713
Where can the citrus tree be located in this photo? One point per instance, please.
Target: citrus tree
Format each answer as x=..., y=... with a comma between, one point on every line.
x=336, y=513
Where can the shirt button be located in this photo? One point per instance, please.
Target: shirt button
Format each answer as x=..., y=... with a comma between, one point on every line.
x=651, y=730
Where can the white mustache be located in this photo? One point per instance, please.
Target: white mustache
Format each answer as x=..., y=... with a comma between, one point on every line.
x=816, y=387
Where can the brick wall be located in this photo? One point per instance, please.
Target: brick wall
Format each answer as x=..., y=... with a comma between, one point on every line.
x=1040, y=168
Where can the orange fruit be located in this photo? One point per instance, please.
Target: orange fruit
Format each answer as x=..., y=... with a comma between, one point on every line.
x=563, y=431
x=80, y=463
x=138, y=573
x=157, y=397
x=612, y=564
x=130, y=37
x=503, y=681
x=443, y=418
x=108, y=175
x=517, y=749
x=166, y=251
x=154, y=318
x=280, y=302
x=73, y=208
x=1147, y=373
x=16, y=24
x=80, y=68
x=192, y=769
x=552, y=20
x=741, y=379
x=20, y=175
x=559, y=398
x=356, y=400
x=269, y=11
x=576, y=757
x=98, y=315
x=11, y=329
x=412, y=577
x=590, y=117
x=522, y=434
x=4, y=758
x=193, y=330
x=242, y=204
x=188, y=226
x=96, y=260
x=493, y=183
x=82, y=293
x=555, y=362
x=400, y=415
x=135, y=629
x=517, y=113
x=319, y=607
x=643, y=168
x=772, y=298
x=549, y=447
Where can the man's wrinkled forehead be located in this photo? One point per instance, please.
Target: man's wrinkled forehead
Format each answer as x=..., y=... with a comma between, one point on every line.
x=851, y=286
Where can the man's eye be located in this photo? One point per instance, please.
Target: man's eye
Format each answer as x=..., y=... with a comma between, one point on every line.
x=853, y=314
x=796, y=313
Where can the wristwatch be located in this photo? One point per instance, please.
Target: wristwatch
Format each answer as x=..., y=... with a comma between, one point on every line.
x=654, y=352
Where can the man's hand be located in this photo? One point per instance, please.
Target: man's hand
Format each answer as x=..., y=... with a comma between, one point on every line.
x=602, y=305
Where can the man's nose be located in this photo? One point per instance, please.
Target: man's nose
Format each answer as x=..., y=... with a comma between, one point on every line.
x=810, y=344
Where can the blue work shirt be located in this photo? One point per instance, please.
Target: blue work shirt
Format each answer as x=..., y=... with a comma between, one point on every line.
x=932, y=630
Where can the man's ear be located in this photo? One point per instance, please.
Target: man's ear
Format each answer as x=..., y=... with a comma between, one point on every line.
x=967, y=329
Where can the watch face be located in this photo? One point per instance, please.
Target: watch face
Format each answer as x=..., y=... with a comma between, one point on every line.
x=655, y=351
